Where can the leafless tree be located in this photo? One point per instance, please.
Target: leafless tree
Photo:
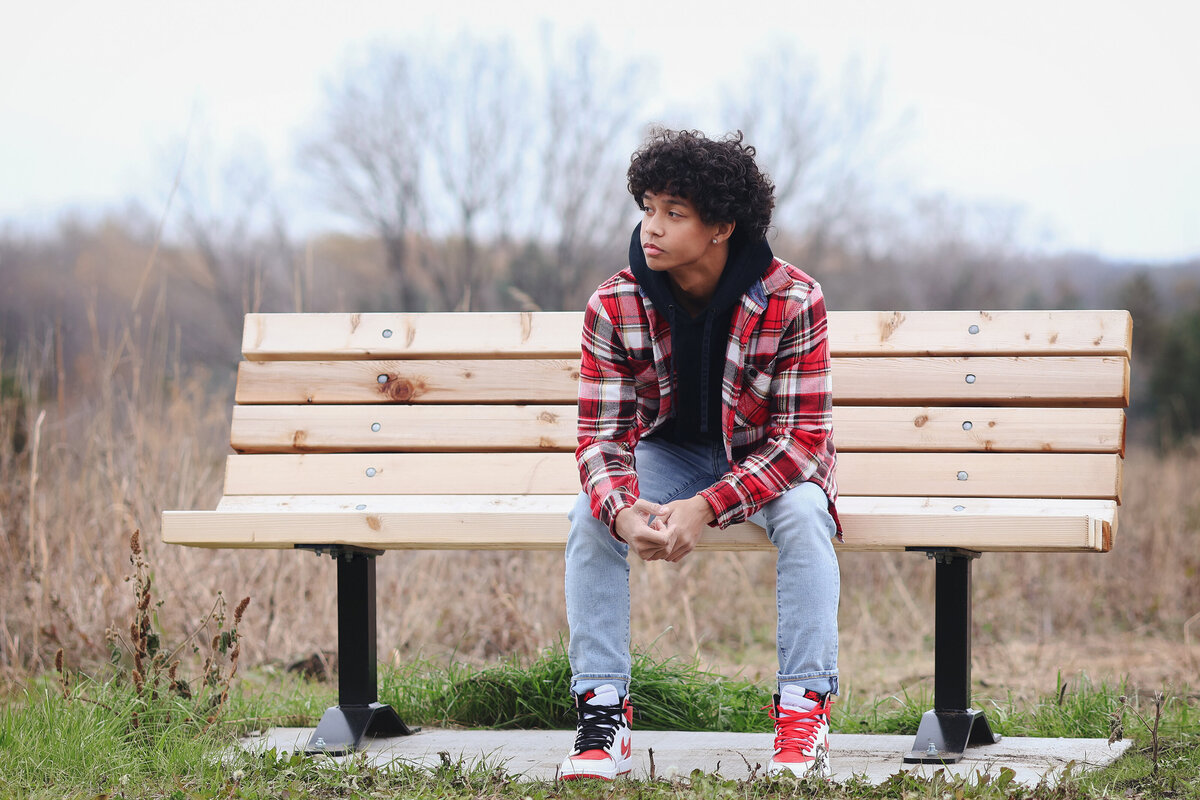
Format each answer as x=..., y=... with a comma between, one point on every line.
x=229, y=214
x=581, y=208
x=369, y=154
x=479, y=128
x=779, y=112
x=964, y=256
x=820, y=146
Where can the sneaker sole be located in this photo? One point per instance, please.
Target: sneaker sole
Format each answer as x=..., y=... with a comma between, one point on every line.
x=775, y=769
x=623, y=769
x=586, y=776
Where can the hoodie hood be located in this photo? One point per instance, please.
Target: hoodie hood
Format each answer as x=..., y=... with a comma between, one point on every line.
x=747, y=263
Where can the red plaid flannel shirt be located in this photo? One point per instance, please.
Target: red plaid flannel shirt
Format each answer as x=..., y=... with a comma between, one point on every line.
x=777, y=402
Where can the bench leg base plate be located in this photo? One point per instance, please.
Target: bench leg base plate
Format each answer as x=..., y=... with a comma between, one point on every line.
x=342, y=728
x=944, y=736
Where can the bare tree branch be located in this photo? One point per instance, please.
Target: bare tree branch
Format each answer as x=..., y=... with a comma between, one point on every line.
x=370, y=151
x=581, y=205
x=229, y=214
x=822, y=150
x=480, y=125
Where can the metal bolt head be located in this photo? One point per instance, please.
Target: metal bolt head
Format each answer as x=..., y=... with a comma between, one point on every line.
x=382, y=379
x=970, y=378
x=960, y=508
x=974, y=329
x=962, y=475
x=370, y=472
x=931, y=750
x=968, y=425
x=361, y=507
x=387, y=333
x=375, y=426
x=320, y=741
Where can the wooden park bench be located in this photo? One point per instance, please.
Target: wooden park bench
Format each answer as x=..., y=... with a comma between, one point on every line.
x=958, y=433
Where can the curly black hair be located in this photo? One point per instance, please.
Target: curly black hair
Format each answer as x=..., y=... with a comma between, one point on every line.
x=718, y=177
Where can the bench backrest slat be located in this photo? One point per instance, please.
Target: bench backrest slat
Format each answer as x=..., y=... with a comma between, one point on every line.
x=1010, y=380
x=468, y=428
x=309, y=337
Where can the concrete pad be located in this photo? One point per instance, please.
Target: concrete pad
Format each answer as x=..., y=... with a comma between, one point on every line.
x=536, y=755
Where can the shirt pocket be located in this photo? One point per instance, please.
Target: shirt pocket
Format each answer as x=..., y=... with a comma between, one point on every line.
x=754, y=403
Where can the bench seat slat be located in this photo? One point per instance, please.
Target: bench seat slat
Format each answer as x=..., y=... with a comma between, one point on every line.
x=1056, y=475
x=459, y=428
x=308, y=337
x=539, y=523
x=1060, y=380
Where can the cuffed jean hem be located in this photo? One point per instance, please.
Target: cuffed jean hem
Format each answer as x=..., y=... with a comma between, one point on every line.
x=821, y=682
x=582, y=684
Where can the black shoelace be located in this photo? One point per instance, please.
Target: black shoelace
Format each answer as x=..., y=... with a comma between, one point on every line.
x=597, y=726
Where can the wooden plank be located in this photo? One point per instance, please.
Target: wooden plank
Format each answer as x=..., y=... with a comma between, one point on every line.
x=309, y=337
x=967, y=428
x=351, y=428
x=315, y=429
x=933, y=381
x=1075, y=381
x=1054, y=475
x=540, y=380
x=1086, y=332
x=403, y=473
x=539, y=523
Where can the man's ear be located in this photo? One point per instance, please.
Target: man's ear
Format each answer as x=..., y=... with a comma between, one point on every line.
x=725, y=230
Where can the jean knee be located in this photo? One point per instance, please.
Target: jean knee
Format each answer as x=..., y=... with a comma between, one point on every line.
x=587, y=532
x=800, y=515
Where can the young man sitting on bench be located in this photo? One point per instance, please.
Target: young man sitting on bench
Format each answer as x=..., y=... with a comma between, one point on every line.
x=704, y=400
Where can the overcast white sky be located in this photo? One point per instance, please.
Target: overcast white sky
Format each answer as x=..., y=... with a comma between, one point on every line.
x=1084, y=112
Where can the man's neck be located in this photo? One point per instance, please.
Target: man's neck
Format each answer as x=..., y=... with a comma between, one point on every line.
x=695, y=286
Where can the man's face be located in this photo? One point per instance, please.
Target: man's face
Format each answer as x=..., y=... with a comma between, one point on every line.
x=672, y=233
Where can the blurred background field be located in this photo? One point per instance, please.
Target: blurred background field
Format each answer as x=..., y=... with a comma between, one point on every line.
x=108, y=418
x=120, y=332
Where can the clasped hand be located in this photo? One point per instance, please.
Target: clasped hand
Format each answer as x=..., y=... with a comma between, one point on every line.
x=664, y=532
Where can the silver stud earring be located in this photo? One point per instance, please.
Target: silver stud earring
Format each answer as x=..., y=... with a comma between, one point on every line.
x=714, y=241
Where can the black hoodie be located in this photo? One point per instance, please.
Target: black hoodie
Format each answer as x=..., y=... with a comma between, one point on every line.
x=698, y=343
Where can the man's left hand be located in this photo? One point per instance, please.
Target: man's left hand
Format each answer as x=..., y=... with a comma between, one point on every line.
x=686, y=521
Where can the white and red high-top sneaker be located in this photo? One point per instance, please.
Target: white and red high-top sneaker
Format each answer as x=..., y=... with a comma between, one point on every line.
x=603, y=736
x=801, y=733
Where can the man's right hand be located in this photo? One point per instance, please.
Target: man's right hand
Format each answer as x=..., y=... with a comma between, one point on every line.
x=646, y=537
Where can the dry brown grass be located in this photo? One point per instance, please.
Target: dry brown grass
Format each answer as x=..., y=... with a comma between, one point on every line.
x=79, y=473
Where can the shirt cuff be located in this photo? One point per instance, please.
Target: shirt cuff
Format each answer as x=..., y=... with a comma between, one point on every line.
x=726, y=503
x=614, y=504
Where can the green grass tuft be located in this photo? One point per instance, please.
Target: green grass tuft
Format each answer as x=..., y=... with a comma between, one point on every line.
x=113, y=739
x=668, y=694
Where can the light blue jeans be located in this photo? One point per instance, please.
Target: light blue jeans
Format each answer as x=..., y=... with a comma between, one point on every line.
x=798, y=523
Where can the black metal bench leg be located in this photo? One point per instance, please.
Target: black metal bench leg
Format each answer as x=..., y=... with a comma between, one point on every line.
x=952, y=726
x=358, y=713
